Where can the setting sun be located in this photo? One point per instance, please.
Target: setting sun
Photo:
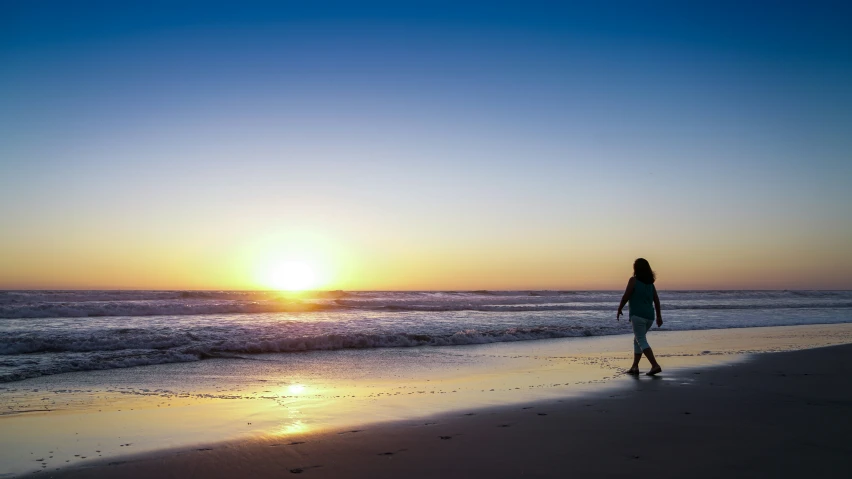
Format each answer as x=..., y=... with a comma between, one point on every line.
x=292, y=276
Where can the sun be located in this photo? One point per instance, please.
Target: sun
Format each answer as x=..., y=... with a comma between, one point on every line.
x=292, y=276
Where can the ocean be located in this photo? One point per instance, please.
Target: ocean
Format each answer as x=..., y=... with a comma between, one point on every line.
x=52, y=332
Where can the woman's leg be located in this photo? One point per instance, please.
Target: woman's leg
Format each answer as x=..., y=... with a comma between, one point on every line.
x=655, y=367
x=640, y=329
x=635, y=367
x=640, y=342
x=637, y=348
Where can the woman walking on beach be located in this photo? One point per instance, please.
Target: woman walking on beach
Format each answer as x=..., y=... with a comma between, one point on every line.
x=639, y=294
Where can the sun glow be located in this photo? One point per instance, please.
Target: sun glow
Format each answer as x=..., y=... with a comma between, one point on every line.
x=291, y=276
x=296, y=389
x=292, y=263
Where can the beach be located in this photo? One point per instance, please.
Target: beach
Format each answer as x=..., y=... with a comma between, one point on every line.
x=774, y=415
x=758, y=401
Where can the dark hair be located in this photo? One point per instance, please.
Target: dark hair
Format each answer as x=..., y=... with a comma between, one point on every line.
x=643, y=272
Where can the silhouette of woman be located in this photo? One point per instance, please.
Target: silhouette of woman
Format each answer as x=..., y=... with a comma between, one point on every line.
x=640, y=293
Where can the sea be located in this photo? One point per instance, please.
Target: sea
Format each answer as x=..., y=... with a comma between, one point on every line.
x=45, y=333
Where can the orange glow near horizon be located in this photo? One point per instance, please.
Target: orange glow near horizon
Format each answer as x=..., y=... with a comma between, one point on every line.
x=357, y=257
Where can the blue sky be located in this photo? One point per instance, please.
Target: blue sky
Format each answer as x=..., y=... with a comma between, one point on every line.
x=427, y=145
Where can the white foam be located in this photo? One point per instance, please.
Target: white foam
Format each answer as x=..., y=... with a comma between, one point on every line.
x=54, y=332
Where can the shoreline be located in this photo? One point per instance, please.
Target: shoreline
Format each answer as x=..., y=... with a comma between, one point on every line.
x=419, y=422
x=780, y=415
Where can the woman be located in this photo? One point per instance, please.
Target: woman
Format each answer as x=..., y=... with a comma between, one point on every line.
x=640, y=293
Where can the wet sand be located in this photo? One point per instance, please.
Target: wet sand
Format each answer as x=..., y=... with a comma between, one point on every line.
x=771, y=415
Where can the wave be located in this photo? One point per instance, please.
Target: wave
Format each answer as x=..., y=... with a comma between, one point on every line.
x=93, y=309
x=124, y=329
x=84, y=354
x=17, y=371
x=602, y=307
x=27, y=355
x=189, y=343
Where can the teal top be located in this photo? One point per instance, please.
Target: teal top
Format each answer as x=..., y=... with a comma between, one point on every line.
x=641, y=301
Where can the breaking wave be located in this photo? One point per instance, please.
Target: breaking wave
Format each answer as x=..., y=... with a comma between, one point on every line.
x=53, y=332
x=109, y=351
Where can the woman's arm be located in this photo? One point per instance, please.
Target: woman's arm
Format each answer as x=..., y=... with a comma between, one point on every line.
x=627, y=292
x=657, y=307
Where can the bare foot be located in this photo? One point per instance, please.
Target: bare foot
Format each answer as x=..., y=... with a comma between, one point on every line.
x=654, y=370
x=632, y=371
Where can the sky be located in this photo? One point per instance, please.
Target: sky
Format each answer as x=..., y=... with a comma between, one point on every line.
x=425, y=145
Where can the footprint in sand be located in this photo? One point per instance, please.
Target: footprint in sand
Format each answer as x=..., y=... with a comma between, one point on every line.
x=390, y=453
x=504, y=425
x=542, y=414
x=299, y=470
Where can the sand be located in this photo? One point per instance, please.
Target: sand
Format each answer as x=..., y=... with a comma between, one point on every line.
x=772, y=415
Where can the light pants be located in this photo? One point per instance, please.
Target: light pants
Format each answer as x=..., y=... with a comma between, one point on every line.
x=640, y=329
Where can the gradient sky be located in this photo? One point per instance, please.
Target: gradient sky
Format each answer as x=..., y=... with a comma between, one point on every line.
x=425, y=145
